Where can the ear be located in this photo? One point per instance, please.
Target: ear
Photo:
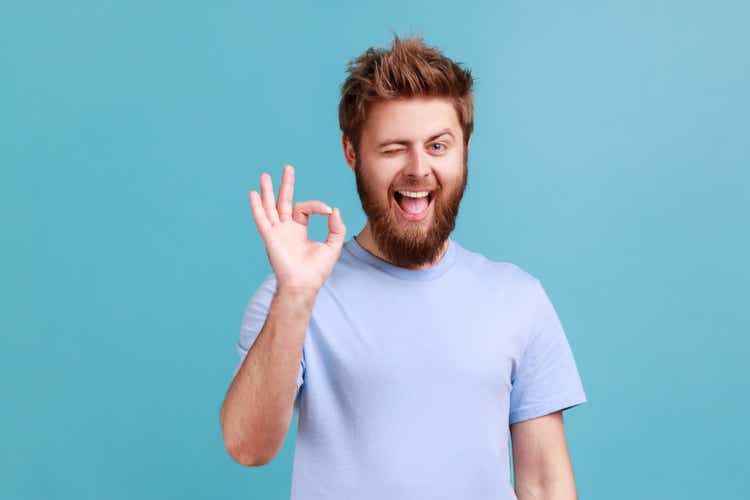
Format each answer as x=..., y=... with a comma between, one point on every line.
x=468, y=143
x=349, y=154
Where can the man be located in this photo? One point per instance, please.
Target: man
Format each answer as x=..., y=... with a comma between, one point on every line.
x=412, y=355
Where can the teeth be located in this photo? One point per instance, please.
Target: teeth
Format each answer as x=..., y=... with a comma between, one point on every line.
x=414, y=194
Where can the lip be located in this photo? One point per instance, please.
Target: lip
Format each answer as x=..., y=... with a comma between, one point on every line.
x=414, y=217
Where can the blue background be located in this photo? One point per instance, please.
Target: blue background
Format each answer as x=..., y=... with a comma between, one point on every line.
x=610, y=159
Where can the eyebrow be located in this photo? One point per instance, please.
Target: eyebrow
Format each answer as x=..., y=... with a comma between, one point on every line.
x=405, y=142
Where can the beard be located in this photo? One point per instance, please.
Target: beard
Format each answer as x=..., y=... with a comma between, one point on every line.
x=411, y=244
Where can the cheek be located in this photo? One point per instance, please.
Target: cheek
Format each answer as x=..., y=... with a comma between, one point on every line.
x=381, y=179
x=376, y=179
x=448, y=169
x=451, y=176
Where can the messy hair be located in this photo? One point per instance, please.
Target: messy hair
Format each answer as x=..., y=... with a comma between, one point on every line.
x=408, y=69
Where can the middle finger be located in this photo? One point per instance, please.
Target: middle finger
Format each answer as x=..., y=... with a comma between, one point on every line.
x=266, y=194
x=286, y=192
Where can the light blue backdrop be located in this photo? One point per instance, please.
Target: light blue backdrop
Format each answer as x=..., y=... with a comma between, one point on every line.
x=610, y=159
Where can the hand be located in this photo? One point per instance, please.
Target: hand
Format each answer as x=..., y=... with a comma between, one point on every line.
x=298, y=262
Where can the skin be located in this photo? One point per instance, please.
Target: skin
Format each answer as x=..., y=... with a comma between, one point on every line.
x=257, y=410
x=541, y=462
x=428, y=155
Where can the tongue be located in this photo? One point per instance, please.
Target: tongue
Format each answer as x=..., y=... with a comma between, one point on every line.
x=413, y=205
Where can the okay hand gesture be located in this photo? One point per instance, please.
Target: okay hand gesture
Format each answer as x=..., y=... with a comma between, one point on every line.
x=298, y=262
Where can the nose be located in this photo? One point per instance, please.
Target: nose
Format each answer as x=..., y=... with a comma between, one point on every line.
x=418, y=166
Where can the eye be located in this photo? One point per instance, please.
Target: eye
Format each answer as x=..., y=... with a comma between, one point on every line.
x=391, y=151
x=438, y=144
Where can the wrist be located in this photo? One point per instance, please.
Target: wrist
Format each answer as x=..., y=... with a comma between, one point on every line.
x=304, y=295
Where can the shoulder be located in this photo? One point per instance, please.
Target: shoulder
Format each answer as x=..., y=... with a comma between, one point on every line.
x=348, y=271
x=496, y=271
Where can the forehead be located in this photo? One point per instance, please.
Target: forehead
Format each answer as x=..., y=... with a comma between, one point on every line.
x=410, y=119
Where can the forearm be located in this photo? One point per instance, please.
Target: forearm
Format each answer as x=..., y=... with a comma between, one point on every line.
x=258, y=407
x=561, y=489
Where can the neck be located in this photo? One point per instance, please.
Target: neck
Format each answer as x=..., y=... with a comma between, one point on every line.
x=366, y=241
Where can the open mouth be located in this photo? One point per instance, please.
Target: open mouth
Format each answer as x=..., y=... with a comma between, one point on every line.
x=413, y=205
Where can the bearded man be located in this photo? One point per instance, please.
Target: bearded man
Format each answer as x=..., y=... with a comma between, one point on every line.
x=407, y=358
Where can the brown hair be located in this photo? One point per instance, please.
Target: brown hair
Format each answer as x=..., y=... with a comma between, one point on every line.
x=408, y=69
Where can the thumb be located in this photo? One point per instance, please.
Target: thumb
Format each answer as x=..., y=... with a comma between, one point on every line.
x=336, y=230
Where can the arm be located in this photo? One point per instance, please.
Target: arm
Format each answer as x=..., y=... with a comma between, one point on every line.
x=541, y=465
x=259, y=404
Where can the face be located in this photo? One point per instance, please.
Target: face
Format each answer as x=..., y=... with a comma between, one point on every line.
x=415, y=147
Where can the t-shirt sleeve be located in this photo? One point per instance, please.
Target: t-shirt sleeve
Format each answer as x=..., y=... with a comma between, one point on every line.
x=546, y=379
x=253, y=320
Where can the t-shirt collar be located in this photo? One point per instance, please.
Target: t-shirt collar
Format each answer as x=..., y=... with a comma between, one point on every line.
x=430, y=273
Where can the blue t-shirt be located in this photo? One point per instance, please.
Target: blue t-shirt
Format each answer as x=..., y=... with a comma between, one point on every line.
x=410, y=379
